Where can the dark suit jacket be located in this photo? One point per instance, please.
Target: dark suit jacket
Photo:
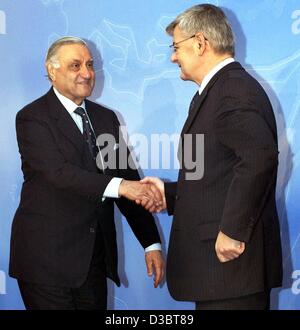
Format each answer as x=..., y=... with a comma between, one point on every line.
x=236, y=194
x=54, y=227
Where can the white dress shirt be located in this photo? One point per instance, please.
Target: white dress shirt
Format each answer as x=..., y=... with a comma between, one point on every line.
x=213, y=71
x=112, y=189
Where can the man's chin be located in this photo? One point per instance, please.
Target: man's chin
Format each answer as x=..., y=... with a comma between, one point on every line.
x=85, y=92
x=183, y=77
x=186, y=77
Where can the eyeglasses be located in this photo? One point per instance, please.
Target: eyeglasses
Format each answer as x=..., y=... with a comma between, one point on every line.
x=175, y=44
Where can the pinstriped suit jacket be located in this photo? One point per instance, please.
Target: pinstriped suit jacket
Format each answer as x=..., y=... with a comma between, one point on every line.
x=236, y=194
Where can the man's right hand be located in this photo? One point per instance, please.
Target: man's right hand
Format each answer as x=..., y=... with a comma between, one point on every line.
x=158, y=184
x=146, y=194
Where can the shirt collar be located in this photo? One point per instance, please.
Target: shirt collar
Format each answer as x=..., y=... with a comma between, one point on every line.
x=67, y=103
x=213, y=71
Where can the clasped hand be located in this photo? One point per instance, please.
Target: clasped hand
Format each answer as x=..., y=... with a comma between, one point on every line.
x=148, y=193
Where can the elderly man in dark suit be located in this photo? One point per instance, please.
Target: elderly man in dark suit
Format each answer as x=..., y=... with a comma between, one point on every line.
x=63, y=242
x=225, y=250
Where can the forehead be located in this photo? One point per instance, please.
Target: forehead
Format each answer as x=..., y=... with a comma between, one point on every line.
x=177, y=34
x=74, y=52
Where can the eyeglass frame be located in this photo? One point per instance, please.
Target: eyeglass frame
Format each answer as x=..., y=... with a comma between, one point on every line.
x=174, y=44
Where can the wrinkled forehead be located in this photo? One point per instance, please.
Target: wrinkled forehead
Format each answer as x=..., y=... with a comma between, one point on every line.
x=74, y=52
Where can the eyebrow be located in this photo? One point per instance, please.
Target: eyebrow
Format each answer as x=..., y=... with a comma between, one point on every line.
x=77, y=60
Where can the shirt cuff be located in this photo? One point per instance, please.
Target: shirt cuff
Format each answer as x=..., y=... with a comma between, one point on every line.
x=153, y=247
x=112, y=189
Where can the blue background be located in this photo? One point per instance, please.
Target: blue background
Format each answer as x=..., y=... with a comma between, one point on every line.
x=137, y=80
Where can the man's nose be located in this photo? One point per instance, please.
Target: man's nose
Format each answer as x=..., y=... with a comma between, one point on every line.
x=174, y=58
x=86, y=72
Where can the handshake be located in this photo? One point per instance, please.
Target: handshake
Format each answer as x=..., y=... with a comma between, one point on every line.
x=149, y=193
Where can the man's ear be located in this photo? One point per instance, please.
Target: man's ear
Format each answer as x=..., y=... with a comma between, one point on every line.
x=200, y=43
x=51, y=71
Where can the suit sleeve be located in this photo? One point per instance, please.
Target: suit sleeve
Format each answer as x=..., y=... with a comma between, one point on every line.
x=39, y=151
x=141, y=221
x=246, y=133
x=170, y=192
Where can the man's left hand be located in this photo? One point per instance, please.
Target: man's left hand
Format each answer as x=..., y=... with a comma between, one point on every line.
x=155, y=264
x=227, y=248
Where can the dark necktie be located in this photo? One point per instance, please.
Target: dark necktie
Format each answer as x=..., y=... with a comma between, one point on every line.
x=193, y=102
x=88, y=133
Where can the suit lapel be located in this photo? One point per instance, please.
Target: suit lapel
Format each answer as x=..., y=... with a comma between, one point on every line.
x=64, y=121
x=194, y=111
x=196, y=107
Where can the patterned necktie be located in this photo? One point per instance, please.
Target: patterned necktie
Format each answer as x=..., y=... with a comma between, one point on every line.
x=88, y=133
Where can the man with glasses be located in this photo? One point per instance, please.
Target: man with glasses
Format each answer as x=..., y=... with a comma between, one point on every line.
x=224, y=250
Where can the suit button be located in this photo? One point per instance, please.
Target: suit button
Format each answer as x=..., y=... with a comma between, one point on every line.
x=92, y=230
x=176, y=197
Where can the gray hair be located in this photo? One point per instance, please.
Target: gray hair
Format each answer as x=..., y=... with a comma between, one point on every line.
x=211, y=21
x=51, y=57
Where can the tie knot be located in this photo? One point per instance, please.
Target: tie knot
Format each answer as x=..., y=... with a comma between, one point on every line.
x=80, y=111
